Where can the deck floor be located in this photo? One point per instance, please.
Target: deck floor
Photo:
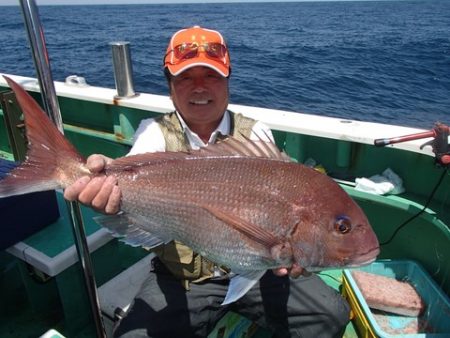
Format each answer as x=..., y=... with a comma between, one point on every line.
x=19, y=319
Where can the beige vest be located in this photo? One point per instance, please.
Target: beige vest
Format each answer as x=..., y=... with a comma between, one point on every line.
x=184, y=263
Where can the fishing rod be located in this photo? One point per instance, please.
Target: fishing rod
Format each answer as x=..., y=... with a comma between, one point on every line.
x=50, y=101
x=441, y=149
x=439, y=143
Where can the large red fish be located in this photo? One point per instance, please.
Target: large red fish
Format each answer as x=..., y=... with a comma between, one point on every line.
x=244, y=205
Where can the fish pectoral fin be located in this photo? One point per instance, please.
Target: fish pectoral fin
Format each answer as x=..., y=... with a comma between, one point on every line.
x=250, y=230
x=131, y=229
x=240, y=284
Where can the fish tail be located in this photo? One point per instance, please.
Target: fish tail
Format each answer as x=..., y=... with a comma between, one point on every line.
x=52, y=162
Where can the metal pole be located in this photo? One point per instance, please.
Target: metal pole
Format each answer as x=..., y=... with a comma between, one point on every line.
x=51, y=106
x=123, y=72
x=41, y=60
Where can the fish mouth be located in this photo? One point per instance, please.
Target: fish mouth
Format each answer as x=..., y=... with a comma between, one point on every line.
x=364, y=259
x=362, y=263
x=350, y=262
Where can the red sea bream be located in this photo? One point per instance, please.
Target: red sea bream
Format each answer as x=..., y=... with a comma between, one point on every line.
x=242, y=204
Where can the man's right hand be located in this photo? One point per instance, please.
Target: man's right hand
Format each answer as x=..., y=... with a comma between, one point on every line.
x=99, y=192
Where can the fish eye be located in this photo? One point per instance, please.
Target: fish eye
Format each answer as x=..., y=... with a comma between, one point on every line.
x=343, y=224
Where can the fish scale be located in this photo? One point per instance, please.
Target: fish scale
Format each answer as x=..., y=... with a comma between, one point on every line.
x=181, y=218
x=222, y=190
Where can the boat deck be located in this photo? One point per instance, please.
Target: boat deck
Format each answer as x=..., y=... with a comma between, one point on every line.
x=41, y=285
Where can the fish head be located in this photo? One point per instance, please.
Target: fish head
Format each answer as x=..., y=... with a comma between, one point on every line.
x=333, y=233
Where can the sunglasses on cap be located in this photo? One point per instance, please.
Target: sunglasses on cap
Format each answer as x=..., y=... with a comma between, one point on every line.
x=185, y=51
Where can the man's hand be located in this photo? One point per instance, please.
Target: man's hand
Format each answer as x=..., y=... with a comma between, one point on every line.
x=99, y=192
x=294, y=271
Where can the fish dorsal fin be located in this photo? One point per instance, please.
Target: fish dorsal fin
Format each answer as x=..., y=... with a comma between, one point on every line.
x=252, y=231
x=229, y=147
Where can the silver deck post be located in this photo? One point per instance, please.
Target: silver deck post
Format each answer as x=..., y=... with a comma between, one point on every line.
x=123, y=72
x=51, y=106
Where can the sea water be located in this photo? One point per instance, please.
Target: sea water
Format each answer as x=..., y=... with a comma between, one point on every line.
x=381, y=61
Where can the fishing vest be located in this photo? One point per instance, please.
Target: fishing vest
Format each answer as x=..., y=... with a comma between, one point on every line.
x=179, y=259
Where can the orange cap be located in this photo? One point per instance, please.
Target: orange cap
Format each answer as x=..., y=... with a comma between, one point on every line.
x=197, y=40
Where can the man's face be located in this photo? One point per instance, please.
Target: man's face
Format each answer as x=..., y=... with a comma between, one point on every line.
x=200, y=95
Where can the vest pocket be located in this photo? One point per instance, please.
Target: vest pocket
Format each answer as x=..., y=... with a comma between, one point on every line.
x=181, y=260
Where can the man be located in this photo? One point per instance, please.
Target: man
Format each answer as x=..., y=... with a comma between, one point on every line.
x=183, y=293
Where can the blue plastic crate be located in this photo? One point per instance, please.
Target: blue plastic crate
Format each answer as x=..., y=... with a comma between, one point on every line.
x=436, y=317
x=23, y=215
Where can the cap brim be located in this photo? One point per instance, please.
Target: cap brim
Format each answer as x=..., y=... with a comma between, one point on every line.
x=187, y=64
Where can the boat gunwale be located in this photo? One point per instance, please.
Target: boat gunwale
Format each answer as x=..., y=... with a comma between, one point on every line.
x=296, y=122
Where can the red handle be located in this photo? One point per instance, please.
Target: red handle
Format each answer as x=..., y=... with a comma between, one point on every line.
x=381, y=142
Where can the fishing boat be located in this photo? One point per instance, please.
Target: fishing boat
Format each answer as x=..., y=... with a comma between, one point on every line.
x=60, y=280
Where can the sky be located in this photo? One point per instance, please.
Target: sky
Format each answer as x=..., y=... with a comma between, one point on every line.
x=100, y=2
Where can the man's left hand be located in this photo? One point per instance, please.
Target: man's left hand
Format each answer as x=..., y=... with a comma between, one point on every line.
x=294, y=271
